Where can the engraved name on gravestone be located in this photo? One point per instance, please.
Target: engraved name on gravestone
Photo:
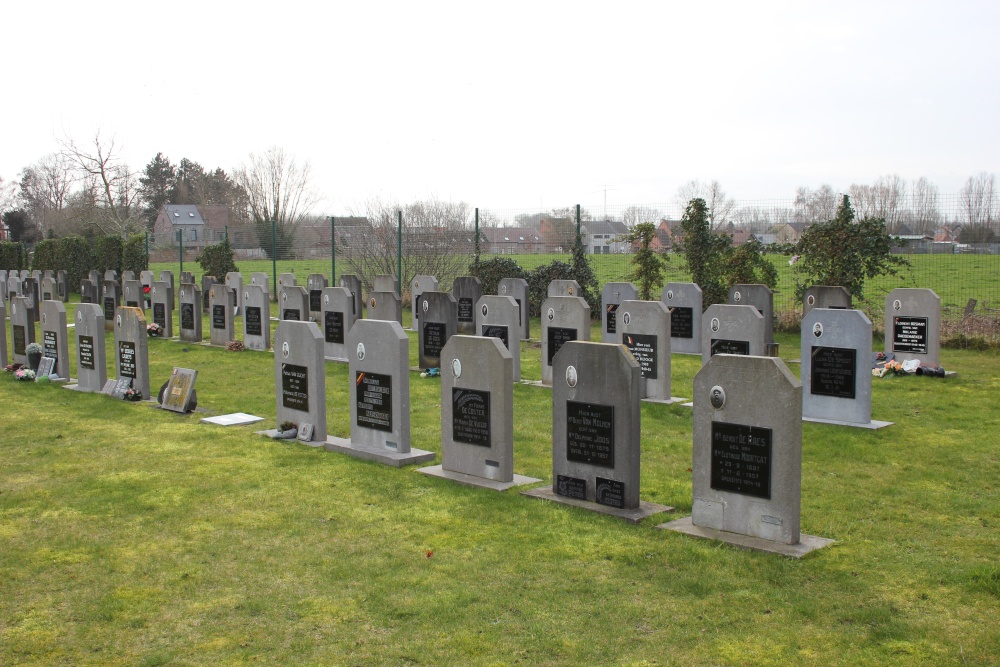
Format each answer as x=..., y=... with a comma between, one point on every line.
x=131, y=348
x=644, y=330
x=300, y=378
x=732, y=330
x=293, y=303
x=611, y=298
x=110, y=300
x=55, y=340
x=190, y=313
x=91, y=358
x=221, y=330
x=418, y=286
x=234, y=282
x=336, y=317
x=49, y=289
x=438, y=323
x=353, y=284
x=163, y=314
x=684, y=302
x=517, y=289
x=497, y=317
x=206, y=285
x=466, y=290
x=564, y=288
x=385, y=306
x=168, y=277
x=385, y=283
x=315, y=284
x=256, y=318
x=132, y=295
x=825, y=296
x=564, y=319
x=913, y=325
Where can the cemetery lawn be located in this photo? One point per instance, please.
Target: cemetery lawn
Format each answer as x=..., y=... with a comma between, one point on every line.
x=135, y=536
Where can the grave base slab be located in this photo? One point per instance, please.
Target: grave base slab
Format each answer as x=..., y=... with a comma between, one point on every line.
x=384, y=456
x=664, y=401
x=478, y=482
x=873, y=425
x=807, y=543
x=644, y=510
x=341, y=360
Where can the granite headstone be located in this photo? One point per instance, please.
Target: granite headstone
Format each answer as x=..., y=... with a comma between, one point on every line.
x=300, y=379
x=336, y=317
x=256, y=318
x=564, y=319
x=497, y=317
x=438, y=323
x=190, y=313
x=91, y=357
x=466, y=290
x=612, y=296
x=131, y=348
x=684, y=302
x=517, y=289
x=729, y=329
x=913, y=325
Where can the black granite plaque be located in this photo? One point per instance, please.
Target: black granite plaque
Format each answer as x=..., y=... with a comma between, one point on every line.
x=558, y=336
x=643, y=348
x=681, y=323
x=590, y=433
x=374, y=400
x=160, y=315
x=50, y=344
x=434, y=338
x=85, y=344
x=333, y=326
x=46, y=296
x=832, y=372
x=723, y=346
x=131, y=304
x=291, y=314
x=126, y=359
x=610, y=492
x=315, y=300
x=219, y=316
x=741, y=459
x=518, y=312
x=909, y=334
x=295, y=387
x=571, y=487
x=109, y=308
x=187, y=316
x=497, y=331
x=252, y=321
x=465, y=309
x=613, y=318
x=18, y=333
x=470, y=416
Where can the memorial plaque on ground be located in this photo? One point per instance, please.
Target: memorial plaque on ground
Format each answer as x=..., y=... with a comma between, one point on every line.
x=611, y=298
x=293, y=303
x=256, y=318
x=190, y=313
x=54, y=336
x=336, y=318
x=438, y=323
x=234, y=282
x=163, y=314
x=91, y=358
x=315, y=284
x=180, y=387
x=517, y=289
x=22, y=329
x=644, y=330
x=300, y=377
x=220, y=306
x=564, y=288
x=131, y=348
x=418, y=286
x=564, y=319
x=913, y=326
x=466, y=290
x=110, y=299
x=825, y=296
x=497, y=317
x=732, y=330
x=352, y=284
x=760, y=297
x=385, y=283
x=206, y=286
x=385, y=306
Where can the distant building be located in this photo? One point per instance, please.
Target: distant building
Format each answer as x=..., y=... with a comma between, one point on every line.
x=196, y=226
x=510, y=240
x=600, y=237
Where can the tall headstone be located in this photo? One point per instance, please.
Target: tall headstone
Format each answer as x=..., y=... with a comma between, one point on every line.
x=379, y=353
x=25, y=274
x=418, y=286
x=825, y=296
x=913, y=325
x=147, y=278
x=315, y=284
x=353, y=284
x=127, y=275
x=467, y=290
x=95, y=276
x=55, y=342
x=168, y=277
x=4, y=296
x=517, y=289
x=836, y=368
x=564, y=319
x=261, y=279
x=729, y=329
x=612, y=296
x=131, y=348
x=49, y=289
x=88, y=292
x=477, y=414
x=32, y=293
x=385, y=283
x=234, y=282
x=91, y=358
x=163, y=314
x=220, y=302
x=497, y=317
x=684, y=302
x=747, y=456
x=206, y=286
x=300, y=379
x=286, y=280
x=293, y=303
x=62, y=286
x=564, y=288
x=22, y=329
x=760, y=297
x=438, y=323
x=256, y=318
x=187, y=278
x=110, y=301
x=336, y=317
x=190, y=313
x=13, y=287
x=132, y=295
x=36, y=275
x=644, y=330
x=385, y=306
x=3, y=334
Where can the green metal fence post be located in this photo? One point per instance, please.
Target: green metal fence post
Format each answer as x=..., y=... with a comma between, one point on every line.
x=274, y=260
x=399, y=253
x=333, y=252
x=577, y=223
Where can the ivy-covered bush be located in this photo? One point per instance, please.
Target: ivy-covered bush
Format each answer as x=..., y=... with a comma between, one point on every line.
x=217, y=260
x=134, y=254
x=46, y=257
x=108, y=253
x=12, y=256
x=539, y=279
x=76, y=258
x=491, y=271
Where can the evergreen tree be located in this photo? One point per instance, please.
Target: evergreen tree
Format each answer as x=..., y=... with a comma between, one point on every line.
x=156, y=186
x=647, y=265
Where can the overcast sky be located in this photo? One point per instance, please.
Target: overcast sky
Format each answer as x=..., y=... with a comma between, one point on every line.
x=517, y=105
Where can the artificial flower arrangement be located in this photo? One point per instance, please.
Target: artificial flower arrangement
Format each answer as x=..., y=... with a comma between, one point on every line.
x=154, y=330
x=24, y=374
x=132, y=394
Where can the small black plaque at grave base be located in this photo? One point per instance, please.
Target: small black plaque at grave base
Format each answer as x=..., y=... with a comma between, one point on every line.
x=558, y=336
x=187, y=316
x=374, y=400
x=109, y=309
x=333, y=327
x=610, y=492
x=832, y=372
x=160, y=314
x=643, y=348
x=434, y=338
x=18, y=333
x=723, y=346
x=465, y=309
x=571, y=487
x=252, y=321
x=219, y=316
x=681, y=323
x=741, y=459
x=613, y=317
x=315, y=300
x=291, y=314
x=497, y=331
x=126, y=358
x=295, y=387
x=909, y=334
x=470, y=416
x=85, y=345
x=590, y=433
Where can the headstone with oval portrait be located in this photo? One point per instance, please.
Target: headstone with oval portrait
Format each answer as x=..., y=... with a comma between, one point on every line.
x=684, y=302
x=564, y=319
x=418, y=286
x=913, y=326
x=611, y=298
x=384, y=306
x=315, y=283
x=190, y=311
x=293, y=303
x=353, y=284
x=256, y=318
x=438, y=322
x=563, y=288
x=466, y=290
x=729, y=329
x=517, y=289
x=499, y=317
x=760, y=297
x=91, y=356
x=644, y=330
x=825, y=296
x=336, y=317
x=300, y=379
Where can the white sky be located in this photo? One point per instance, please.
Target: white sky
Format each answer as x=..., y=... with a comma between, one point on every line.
x=511, y=104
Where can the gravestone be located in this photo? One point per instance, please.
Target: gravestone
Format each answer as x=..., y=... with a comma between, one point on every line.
x=256, y=318
x=466, y=290
x=438, y=323
x=293, y=303
x=234, y=282
x=913, y=325
x=24, y=275
x=190, y=313
x=206, y=286
x=385, y=283
x=517, y=289
x=168, y=277
x=132, y=295
x=110, y=300
x=595, y=431
x=564, y=319
x=48, y=273
x=163, y=314
x=497, y=317
x=22, y=329
x=418, y=286
x=644, y=330
x=684, y=302
x=825, y=296
x=4, y=296
x=353, y=284
x=95, y=276
x=285, y=280
x=379, y=353
x=385, y=306
x=315, y=284
x=336, y=317
x=300, y=379
x=747, y=456
x=729, y=329
x=3, y=334
x=147, y=278
x=221, y=329
x=32, y=293
x=477, y=414
x=187, y=278
x=88, y=292
x=55, y=341
x=13, y=288
x=91, y=358
x=180, y=389
x=760, y=297
x=564, y=288
x=49, y=289
x=612, y=296
x=127, y=275
x=263, y=280
x=131, y=349
x=836, y=368
x=62, y=286
x=36, y=275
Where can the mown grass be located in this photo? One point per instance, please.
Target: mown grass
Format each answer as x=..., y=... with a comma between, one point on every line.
x=134, y=536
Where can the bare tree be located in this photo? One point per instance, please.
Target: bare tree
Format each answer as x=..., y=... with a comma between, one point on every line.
x=885, y=199
x=979, y=201
x=818, y=205
x=758, y=219
x=112, y=186
x=633, y=215
x=925, y=215
x=8, y=195
x=720, y=206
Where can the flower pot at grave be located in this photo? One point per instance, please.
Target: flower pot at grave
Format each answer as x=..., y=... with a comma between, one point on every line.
x=34, y=358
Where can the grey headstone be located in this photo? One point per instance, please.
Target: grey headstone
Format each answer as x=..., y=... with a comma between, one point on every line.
x=261, y=279
x=4, y=296
x=147, y=278
x=293, y=303
x=88, y=292
x=825, y=296
x=760, y=297
x=95, y=276
x=612, y=296
x=54, y=336
x=564, y=319
x=25, y=274
x=467, y=290
x=168, y=277
x=131, y=348
x=190, y=311
x=3, y=274
x=62, y=286
x=49, y=289
x=385, y=283
x=48, y=273
x=132, y=295
x=234, y=281
x=162, y=313
x=438, y=323
x=110, y=301
x=187, y=278
x=221, y=327
x=300, y=377
x=111, y=275
x=128, y=275
x=497, y=317
x=180, y=388
x=913, y=325
x=517, y=289
x=32, y=293
x=418, y=286
x=3, y=334
x=315, y=284
x=91, y=357
x=285, y=280
x=206, y=286
x=336, y=318
x=256, y=318
x=22, y=328
x=729, y=329
x=353, y=285
x=644, y=330
x=683, y=300
x=36, y=275
x=385, y=306
x=13, y=288
x=564, y=288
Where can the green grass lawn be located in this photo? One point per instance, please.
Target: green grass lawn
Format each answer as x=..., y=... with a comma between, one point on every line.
x=135, y=536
